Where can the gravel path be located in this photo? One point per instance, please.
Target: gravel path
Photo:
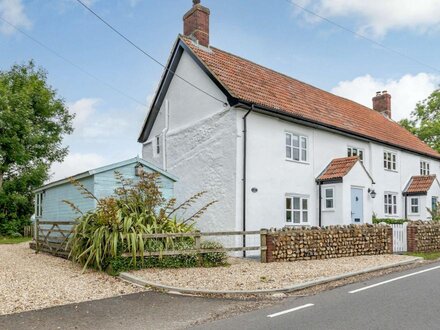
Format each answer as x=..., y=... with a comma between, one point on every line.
x=33, y=281
x=252, y=275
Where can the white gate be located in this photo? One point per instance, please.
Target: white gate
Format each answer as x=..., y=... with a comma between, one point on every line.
x=400, y=237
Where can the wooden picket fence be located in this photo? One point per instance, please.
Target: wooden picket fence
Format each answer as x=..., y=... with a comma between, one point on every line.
x=50, y=237
x=28, y=231
x=198, y=250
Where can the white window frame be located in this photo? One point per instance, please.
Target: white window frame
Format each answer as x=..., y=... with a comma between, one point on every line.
x=390, y=203
x=157, y=146
x=325, y=198
x=39, y=205
x=390, y=160
x=424, y=167
x=290, y=147
x=355, y=151
x=292, y=210
x=434, y=201
x=411, y=205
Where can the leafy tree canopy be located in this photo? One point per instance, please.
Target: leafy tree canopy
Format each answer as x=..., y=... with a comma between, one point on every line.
x=33, y=120
x=425, y=120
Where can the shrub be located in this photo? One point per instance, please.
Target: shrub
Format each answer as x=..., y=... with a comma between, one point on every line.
x=389, y=221
x=213, y=259
x=119, y=264
x=13, y=227
x=118, y=223
x=435, y=212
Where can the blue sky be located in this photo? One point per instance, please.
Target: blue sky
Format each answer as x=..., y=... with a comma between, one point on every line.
x=273, y=33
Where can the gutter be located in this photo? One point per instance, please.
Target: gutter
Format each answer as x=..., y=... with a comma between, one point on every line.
x=244, y=174
x=331, y=128
x=164, y=135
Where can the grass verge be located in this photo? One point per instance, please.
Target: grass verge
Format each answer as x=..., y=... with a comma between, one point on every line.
x=426, y=255
x=10, y=240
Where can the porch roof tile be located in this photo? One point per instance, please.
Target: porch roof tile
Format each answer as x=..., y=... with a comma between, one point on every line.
x=420, y=184
x=338, y=168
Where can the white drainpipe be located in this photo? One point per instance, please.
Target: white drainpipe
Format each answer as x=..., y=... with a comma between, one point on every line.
x=164, y=134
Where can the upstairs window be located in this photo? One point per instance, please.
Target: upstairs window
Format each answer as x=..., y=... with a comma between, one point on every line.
x=297, y=210
x=329, y=198
x=424, y=168
x=414, y=205
x=390, y=204
x=296, y=147
x=351, y=151
x=390, y=160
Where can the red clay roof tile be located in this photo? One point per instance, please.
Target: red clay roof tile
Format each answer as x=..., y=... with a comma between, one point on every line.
x=256, y=84
x=338, y=168
x=420, y=184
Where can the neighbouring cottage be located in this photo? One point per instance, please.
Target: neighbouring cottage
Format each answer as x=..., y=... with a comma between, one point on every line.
x=274, y=151
x=49, y=205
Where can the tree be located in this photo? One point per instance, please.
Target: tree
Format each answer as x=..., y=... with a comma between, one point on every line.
x=33, y=120
x=425, y=120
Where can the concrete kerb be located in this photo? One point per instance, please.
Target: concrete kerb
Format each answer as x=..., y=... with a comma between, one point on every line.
x=170, y=289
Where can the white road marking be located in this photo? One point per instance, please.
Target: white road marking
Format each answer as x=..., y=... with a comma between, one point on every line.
x=394, y=279
x=290, y=310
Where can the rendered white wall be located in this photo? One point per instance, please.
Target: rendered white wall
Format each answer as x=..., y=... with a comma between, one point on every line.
x=273, y=176
x=200, y=146
x=333, y=217
x=357, y=178
x=205, y=150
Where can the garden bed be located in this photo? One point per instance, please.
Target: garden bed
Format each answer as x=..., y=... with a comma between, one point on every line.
x=32, y=281
x=248, y=274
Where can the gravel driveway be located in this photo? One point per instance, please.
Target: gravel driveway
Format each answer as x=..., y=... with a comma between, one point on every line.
x=253, y=275
x=33, y=281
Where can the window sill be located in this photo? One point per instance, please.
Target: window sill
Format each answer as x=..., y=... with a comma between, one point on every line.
x=328, y=210
x=297, y=161
x=392, y=171
x=288, y=224
x=392, y=215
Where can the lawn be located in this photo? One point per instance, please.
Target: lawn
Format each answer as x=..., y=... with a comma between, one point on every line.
x=426, y=255
x=10, y=240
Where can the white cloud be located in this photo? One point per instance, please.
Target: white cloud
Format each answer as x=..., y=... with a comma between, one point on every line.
x=405, y=92
x=13, y=12
x=95, y=120
x=83, y=110
x=76, y=163
x=377, y=17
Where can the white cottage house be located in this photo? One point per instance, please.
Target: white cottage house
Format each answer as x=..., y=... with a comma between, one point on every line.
x=275, y=151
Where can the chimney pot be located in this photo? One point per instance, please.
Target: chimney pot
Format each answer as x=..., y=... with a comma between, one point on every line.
x=196, y=23
x=382, y=103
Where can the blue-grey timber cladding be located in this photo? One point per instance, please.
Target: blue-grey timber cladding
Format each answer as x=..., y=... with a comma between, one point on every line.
x=101, y=183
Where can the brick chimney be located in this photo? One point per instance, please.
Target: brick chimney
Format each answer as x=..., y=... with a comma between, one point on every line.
x=196, y=23
x=382, y=103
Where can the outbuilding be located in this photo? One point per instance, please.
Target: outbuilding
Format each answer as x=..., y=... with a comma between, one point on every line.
x=49, y=205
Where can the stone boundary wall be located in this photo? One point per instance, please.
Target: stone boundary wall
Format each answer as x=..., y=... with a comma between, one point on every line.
x=423, y=236
x=305, y=243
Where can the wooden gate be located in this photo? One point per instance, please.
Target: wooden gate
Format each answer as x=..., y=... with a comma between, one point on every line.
x=400, y=237
x=52, y=237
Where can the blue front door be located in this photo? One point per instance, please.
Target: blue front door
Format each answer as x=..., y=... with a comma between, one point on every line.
x=357, y=205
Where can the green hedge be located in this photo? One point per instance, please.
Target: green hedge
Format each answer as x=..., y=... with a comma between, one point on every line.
x=211, y=259
x=389, y=221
